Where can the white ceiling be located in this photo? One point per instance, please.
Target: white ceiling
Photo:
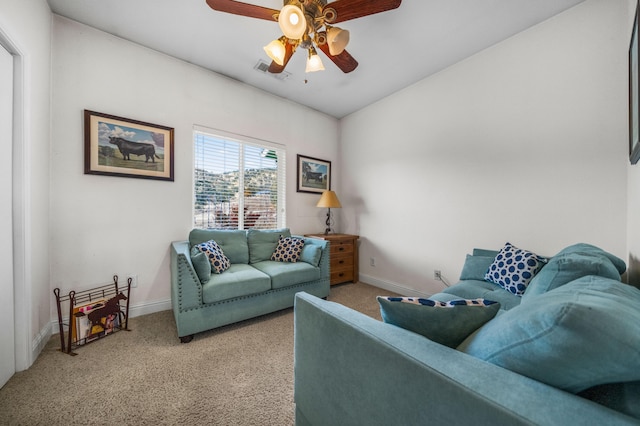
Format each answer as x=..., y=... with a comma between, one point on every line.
x=394, y=49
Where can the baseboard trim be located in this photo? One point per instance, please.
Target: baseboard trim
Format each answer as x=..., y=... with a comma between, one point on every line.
x=392, y=286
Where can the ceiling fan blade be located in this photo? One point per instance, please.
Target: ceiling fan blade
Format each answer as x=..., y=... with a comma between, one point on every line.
x=244, y=9
x=274, y=68
x=352, y=9
x=344, y=61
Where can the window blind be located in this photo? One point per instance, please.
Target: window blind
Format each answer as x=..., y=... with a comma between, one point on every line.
x=238, y=184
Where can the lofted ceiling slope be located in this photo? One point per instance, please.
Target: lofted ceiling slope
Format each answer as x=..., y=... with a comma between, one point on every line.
x=394, y=49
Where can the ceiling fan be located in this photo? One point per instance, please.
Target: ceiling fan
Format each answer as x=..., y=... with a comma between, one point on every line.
x=306, y=23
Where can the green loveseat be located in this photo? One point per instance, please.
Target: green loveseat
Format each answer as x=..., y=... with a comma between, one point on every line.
x=252, y=286
x=566, y=352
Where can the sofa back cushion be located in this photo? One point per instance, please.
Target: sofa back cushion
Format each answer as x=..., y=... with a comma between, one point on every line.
x=232, y=242
x=567, y=267
x=584, y=248
x=580, y=335
x=263, y=242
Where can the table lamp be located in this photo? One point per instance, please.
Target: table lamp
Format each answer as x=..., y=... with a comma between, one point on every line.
x=329, y=200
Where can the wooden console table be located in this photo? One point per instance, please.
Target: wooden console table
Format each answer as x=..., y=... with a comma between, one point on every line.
x=343, y=257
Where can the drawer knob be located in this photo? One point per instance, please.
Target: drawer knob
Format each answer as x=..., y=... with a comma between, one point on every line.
x=342, y=261
x=341, y=248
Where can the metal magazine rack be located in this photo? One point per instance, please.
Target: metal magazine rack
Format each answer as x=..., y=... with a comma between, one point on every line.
x=93, y=314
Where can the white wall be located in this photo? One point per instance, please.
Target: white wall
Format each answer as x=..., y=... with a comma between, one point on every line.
x=25, y=30
x=524, y=142
x=104, y=225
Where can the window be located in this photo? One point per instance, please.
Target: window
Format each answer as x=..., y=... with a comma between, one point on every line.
x=235, y=174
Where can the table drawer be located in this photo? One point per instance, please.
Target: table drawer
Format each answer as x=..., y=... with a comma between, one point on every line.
x=338, y=247
x=342, y=260
x=341, y=276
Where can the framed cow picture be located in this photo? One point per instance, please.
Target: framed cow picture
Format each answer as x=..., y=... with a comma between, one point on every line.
x=314, y=175
x=116, y=146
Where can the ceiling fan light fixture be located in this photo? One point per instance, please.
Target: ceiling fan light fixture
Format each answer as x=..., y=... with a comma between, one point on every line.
x=276, y=50
x=314, y=63
x=337, y=39
x=292, y=22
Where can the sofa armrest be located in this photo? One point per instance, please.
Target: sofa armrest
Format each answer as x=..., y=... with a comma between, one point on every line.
x=186, y=289
x=351, y=369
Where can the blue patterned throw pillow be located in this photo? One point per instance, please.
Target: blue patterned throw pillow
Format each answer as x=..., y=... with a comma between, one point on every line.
x=513, y=269
x=219, y=262
x=288, y=249
x=447, y=323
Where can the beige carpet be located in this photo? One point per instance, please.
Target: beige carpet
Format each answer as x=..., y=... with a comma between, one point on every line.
x=240, y=374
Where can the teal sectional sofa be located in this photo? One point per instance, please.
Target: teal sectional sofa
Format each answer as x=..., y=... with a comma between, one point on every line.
x=253, y=284
x=567, y=351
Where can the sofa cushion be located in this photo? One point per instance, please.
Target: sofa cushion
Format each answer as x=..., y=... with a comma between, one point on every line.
x=232, y=241
x=513, y=269
x=564, y=268
x=485, y=252
x=474, y=289
x=476, y=267
x=311, y=254
x=262, y=242
x=580, y=335
x=201, y=264
x=286, y=274
x=239, y=280
x=584, y=248
x=219, y=262
x=447, y=323
x=288, y=249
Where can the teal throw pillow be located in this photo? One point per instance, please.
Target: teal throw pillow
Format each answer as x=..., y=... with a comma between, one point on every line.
x=311, y=254
x=288, y=249
x=447, y=323
x=580, y=335
x=219, y=262
x=201, y=265
x=513, y=269
x=475, y=267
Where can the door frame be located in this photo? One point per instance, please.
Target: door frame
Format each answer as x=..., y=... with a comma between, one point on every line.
x=22, y=291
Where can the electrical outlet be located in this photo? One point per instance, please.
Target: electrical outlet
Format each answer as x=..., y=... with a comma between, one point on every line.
x=437, y=275
x=372, y=261
x=134, y=280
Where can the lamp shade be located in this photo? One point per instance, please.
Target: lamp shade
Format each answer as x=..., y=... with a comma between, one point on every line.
x=337, y=39
x=292, y=22
x=329, y=200
x=276, y=50
x=314, y=63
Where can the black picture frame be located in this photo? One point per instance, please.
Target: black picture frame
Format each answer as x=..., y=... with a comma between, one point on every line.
x=117, y=146
x=314, y=174
x=634, y=93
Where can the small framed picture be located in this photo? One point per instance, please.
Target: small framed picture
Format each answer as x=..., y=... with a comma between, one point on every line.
x=314, y=175
x=116, y=146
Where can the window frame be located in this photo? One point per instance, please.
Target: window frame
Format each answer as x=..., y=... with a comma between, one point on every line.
x=243, y=141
